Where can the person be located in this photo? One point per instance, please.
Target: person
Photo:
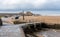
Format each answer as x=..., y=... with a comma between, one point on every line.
x=1, y=22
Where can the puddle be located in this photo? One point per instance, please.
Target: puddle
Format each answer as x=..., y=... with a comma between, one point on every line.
x=50, y=33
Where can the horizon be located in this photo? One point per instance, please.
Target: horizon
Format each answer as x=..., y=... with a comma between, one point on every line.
x=43, y=13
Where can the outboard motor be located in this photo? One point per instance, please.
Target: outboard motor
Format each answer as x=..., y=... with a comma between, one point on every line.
x=1, y=22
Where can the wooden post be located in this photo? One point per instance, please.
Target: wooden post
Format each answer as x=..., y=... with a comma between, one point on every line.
x=1, y=22
x=23, y=15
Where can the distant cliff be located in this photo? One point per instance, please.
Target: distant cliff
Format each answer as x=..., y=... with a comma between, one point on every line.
x=28, y=13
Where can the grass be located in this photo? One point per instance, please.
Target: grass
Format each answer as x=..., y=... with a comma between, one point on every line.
x=46, y=19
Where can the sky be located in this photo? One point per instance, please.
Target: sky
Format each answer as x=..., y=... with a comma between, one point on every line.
x=31, y=5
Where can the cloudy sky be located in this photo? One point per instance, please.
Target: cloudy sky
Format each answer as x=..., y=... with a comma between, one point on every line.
x=33, y=5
